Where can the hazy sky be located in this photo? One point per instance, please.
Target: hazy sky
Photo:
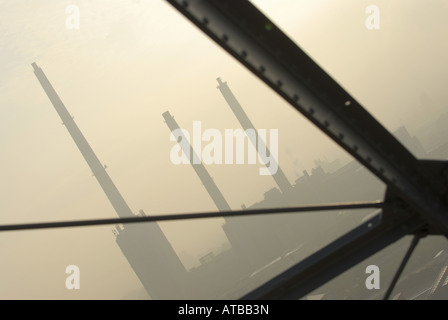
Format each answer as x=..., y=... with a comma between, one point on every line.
x=129, y=62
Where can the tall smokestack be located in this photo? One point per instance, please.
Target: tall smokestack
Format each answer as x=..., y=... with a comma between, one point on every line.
x=245, y=122
x=95, y=165
x=201, y=171
x=144, y=245
x=235, y=229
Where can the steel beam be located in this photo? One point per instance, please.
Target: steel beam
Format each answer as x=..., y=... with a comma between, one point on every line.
x=191, y=216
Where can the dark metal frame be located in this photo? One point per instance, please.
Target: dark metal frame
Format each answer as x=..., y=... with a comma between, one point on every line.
x=416, y=194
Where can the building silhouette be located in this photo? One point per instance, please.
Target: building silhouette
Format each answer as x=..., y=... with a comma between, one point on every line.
x=145, y=246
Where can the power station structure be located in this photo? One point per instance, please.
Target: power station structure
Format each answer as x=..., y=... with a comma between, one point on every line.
x=261, y=247
x=233, y=229
x=256, y=244
x=144, y=245
x=245, y=235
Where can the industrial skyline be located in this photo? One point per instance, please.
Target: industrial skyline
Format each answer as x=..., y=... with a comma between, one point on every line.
x=129, y=62
x=158, y=266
